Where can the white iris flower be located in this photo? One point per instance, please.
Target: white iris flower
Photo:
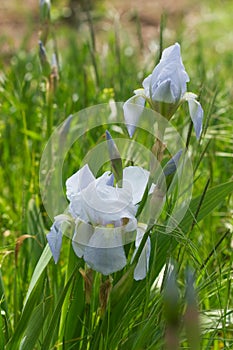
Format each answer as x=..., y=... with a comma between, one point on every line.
x=104, y=216
x=164, y=89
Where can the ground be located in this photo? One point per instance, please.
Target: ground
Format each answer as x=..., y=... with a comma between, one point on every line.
x=19, y=20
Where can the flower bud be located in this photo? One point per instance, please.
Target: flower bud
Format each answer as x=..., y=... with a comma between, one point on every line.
x=43, y=60
x=115, y=158
x=45, y=10
x=191, y=316
x=171, y=309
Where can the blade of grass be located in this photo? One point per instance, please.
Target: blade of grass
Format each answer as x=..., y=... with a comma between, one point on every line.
x=35, y=326
x=57, y=311
x=41, y=265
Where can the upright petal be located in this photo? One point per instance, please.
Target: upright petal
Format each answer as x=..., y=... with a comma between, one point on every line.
x=106, y=204
x=78, y=181
x=196, y=112
x=133, y=109
x=105, y=252
x=147, y=85
x=165, y=92
x=137, y=178
x=170, y=68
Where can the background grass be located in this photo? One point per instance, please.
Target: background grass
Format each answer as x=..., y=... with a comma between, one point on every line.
x=93, y=70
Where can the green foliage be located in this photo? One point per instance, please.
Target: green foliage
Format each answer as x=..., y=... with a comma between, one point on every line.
x=46, y=306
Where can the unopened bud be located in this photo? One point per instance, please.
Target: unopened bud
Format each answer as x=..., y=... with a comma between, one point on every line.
x=54, y=76
x=43, y=60
x=191, y=316
x=115, y=158
x=171, y=166
x=171, y=309
x=45, y=10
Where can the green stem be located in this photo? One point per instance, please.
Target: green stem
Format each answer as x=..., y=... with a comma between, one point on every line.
x=49, y=128
x=72, y=262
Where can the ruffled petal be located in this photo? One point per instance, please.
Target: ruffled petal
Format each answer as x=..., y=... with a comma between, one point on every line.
x=105, y=252
x=105, y=204
x=78, y=181
x=133, y=109
x=137, y=178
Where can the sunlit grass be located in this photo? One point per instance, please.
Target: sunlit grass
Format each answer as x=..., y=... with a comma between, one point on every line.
x=91, y=75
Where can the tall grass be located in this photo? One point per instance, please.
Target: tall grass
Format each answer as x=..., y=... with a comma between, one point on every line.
x=47, y=306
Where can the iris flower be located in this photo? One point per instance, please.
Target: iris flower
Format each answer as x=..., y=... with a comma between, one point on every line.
x=164, y=90
x=103, y=217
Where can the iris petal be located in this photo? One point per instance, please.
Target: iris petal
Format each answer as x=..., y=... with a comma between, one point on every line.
x=54, y=237
x=142, y=266
x=133, y=109
x=196, y=112
x=137, y=178
x=105, y=252
x=82, y=235
x=78, y=181
x=163, y=92
x=170, y=68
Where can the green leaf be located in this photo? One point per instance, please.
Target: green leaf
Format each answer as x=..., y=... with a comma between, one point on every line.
x=2, y=296
x=212, y=199
x=56, y=314
x=35, y=296
x=35, y=325
x=166, y=243
x=2, y=338
x=41, y=265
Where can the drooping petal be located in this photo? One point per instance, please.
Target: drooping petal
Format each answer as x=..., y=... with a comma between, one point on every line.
x=78, y=181
x=196, y=112
x=105, y=252
x=142, y=266
x=54, y=237
x=81, y=238
x=133, y=109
